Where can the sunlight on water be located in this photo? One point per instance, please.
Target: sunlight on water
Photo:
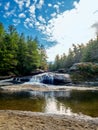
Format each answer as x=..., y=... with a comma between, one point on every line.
x=54, y=102
x=55, y=107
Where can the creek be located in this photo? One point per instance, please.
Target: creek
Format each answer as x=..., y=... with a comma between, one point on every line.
x=69, y=102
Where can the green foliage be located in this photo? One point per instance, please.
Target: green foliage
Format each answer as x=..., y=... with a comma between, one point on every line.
x=43, y=57
x=90, y=53
x=86, y=72
x=90, y=68
x=19, y=55
x=79, y=53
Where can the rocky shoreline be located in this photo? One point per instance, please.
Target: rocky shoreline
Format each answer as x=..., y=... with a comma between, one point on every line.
x=36, y=87
x=19, y=120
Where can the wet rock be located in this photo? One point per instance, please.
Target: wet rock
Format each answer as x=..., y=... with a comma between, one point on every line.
x=61, y=79
x=48, y=79
x=21, y=79
x=52, y=78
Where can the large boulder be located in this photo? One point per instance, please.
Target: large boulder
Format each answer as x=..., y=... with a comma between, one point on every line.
x=56, y=79
x=75, y=67
x=61, y=79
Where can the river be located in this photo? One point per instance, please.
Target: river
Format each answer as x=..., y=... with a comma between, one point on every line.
x=67, y=101
x=54, y=102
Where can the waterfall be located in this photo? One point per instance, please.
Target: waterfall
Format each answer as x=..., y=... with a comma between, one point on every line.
x=36, y=78
x=51, y=78
x=43, y=78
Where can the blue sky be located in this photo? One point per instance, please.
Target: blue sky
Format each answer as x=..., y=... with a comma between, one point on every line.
x=57, y=23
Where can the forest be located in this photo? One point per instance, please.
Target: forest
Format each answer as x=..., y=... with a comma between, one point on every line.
x=80, y=53
x=20, y=55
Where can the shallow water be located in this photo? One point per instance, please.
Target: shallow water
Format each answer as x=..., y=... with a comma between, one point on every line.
x=55, y=102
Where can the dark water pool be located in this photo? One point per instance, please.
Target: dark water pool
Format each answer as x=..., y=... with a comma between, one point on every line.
x=58, y=102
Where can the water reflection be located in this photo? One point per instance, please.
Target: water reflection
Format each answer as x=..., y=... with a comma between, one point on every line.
x=58, y=102
x=53, y=106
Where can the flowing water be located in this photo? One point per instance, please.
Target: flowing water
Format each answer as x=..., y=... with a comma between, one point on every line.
x=51, y=78
x=55, y=102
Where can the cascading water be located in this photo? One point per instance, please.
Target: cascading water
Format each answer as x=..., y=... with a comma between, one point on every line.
x=36, y=78
x=51, y=78
x=43, y=78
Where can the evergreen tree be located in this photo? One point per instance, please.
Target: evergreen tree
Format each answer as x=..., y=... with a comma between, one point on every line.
x=19, y=55
x=43, y=57
x=32, y=54
x=90, y=53
x=2, y=48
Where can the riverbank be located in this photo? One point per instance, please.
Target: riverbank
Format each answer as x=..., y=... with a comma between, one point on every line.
x=42, y=87
x=19, y=120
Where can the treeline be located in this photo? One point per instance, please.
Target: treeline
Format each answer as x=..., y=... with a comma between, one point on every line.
x=79, y=53
x=19, y=55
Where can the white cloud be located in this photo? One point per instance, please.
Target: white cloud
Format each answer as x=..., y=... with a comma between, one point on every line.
x=49, y=5
x=35, y=1
x=37, y=23
x=75, y=4
x=20, y=3
x=73, y=26
x=60, y=3
x=10, y=13
x=40, y=4
x=27, y=22
x=53, y=14
x=30, y=25
x=41, y=19
x=7, y=6
x=41, y=27
x=27, y=3
x=56, y=7
x=22, y=15
x=32, y=9
x=33, y=21
x=16, y=21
